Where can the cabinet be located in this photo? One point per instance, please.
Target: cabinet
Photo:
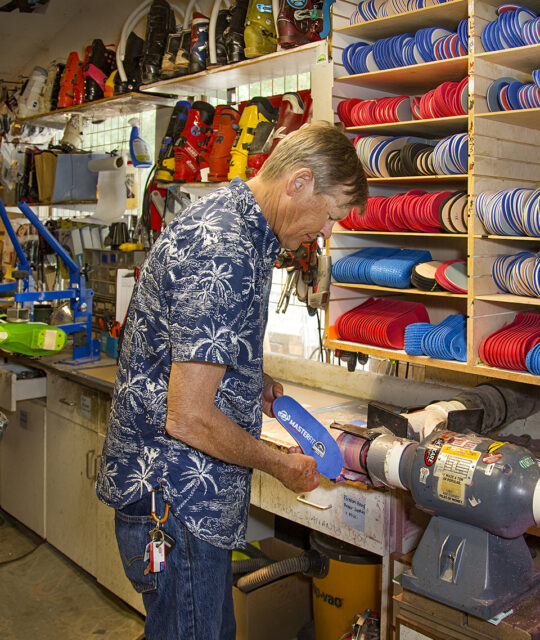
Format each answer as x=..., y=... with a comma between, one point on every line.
x=22, y=465
x=504, y=152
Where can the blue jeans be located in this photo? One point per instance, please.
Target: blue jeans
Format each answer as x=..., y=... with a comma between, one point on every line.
x=192, y=598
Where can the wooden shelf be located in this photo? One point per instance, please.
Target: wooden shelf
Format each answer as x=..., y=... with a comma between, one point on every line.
x=293, y=61
x=509, y=298
x=452, y=365
x=398, y=234
x=492, y=237
x=444, y=15
x=416, y=78
x=416, y=292
x=123, y=105
x=420, y=179
x=525, y=58
x=396, y=354
x=431, y=127
x=506, y=374
x=529, y=118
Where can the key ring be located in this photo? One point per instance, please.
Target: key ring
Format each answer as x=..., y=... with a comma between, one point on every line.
x=153, y=511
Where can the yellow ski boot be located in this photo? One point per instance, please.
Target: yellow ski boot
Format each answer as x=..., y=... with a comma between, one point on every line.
x=257, y=110
x=260, y=35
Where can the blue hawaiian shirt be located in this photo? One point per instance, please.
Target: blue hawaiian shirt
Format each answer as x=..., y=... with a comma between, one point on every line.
x=202, y=295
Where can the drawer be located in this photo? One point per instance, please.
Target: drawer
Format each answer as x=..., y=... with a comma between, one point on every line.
x=359, y=516
x=77, y=402
x=16, y=385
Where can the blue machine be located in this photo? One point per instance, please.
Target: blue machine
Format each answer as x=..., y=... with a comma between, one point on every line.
x=79, y=296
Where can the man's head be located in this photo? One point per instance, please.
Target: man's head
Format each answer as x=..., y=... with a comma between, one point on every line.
x=312, y=179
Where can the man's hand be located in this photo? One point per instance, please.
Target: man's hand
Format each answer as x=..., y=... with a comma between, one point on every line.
x=299, y=473
x=272, y=390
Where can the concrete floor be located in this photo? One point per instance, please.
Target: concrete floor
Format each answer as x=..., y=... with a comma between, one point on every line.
x=44, y=595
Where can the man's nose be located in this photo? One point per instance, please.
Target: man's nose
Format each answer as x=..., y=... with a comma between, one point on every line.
x=326, y=231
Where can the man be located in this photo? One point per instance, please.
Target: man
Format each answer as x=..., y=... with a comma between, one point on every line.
x=186, y=412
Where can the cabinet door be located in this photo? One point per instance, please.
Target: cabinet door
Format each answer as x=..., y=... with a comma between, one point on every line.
x=22, y=465
x=71, y=498
x=109, y=568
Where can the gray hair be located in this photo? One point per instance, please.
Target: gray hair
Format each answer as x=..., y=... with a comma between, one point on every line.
x=325, y=150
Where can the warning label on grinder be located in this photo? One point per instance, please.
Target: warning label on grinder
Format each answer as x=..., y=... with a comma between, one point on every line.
x=454, y=470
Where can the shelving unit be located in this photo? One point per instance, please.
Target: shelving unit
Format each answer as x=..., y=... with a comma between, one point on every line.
x=122, y=105
x=504, y=152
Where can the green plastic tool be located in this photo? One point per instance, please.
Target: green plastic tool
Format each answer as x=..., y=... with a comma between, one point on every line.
x=31, y=338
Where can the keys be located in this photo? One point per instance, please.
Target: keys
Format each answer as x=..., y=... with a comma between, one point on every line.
x=156, y=550
x=287, y=290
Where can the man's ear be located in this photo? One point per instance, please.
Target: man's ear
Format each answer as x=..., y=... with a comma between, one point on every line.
x=299, y=181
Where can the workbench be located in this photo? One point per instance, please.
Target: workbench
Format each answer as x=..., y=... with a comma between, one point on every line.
x=50, y=453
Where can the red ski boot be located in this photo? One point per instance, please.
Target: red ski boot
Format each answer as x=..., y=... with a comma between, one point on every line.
x=78, y=82
x=65, y=94
x=193, y=148
x=292, y=115
x=298, y=23
x=225, y=126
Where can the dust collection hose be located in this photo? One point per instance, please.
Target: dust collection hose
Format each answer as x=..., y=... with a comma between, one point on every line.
x=310, y=563
x=249, y=564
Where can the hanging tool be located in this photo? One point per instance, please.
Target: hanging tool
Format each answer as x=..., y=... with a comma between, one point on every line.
x=288, y=288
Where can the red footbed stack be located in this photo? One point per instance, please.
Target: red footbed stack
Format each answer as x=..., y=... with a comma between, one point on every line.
x=415, y=210
x=507, y=348
x=380, y=322
x=448, y=99
x=452, y=283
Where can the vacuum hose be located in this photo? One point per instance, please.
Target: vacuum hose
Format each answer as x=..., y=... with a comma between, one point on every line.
x=249, y=564
x=310, y=563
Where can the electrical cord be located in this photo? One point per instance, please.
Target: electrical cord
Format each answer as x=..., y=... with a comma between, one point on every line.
x=25, y=555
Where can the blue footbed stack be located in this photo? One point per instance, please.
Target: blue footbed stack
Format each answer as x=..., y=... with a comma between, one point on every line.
x=426, y=45
x=508, y=94
x=515, y=26
x=510, y=212
x=372, y=10
x=532, y=360
x=444, y=341
x=383, y=266
x=518, y=273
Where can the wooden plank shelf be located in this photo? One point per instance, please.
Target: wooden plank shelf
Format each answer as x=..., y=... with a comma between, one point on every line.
x=446, y=15
x=295, y=61
x=430, y=127
x=399, y=234
x=492, y=237
x=122, y=105
x=529, y=118
x=417, y=78
x=415, y=292
x=451, y=365
x=421, y=179
x=509, y=298
x=525, y=58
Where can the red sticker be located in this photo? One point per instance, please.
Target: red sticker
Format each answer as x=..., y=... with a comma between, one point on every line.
x=492, y=458
x=432, y=451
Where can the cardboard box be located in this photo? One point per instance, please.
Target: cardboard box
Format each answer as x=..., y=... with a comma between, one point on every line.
x=276, y=610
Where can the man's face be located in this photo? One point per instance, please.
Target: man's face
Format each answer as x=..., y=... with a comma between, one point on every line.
x=308, y=215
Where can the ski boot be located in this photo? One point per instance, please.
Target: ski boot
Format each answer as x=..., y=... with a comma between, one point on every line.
x=159, y=23
x=259, y=148
x=168, y=68
x=29, y=102
x=222, y=22
x=78, y=81
x=233, y=36
x=131, y=62
x=100, y=64
x=199, y=43
x=225, y=126
x=293, y=113
x=72, y=137
x=49, y=95
x=298, y=23
x=177, y=121
x=192, y=149
x=257, y=110
x=260, y=31
x=65, y=94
